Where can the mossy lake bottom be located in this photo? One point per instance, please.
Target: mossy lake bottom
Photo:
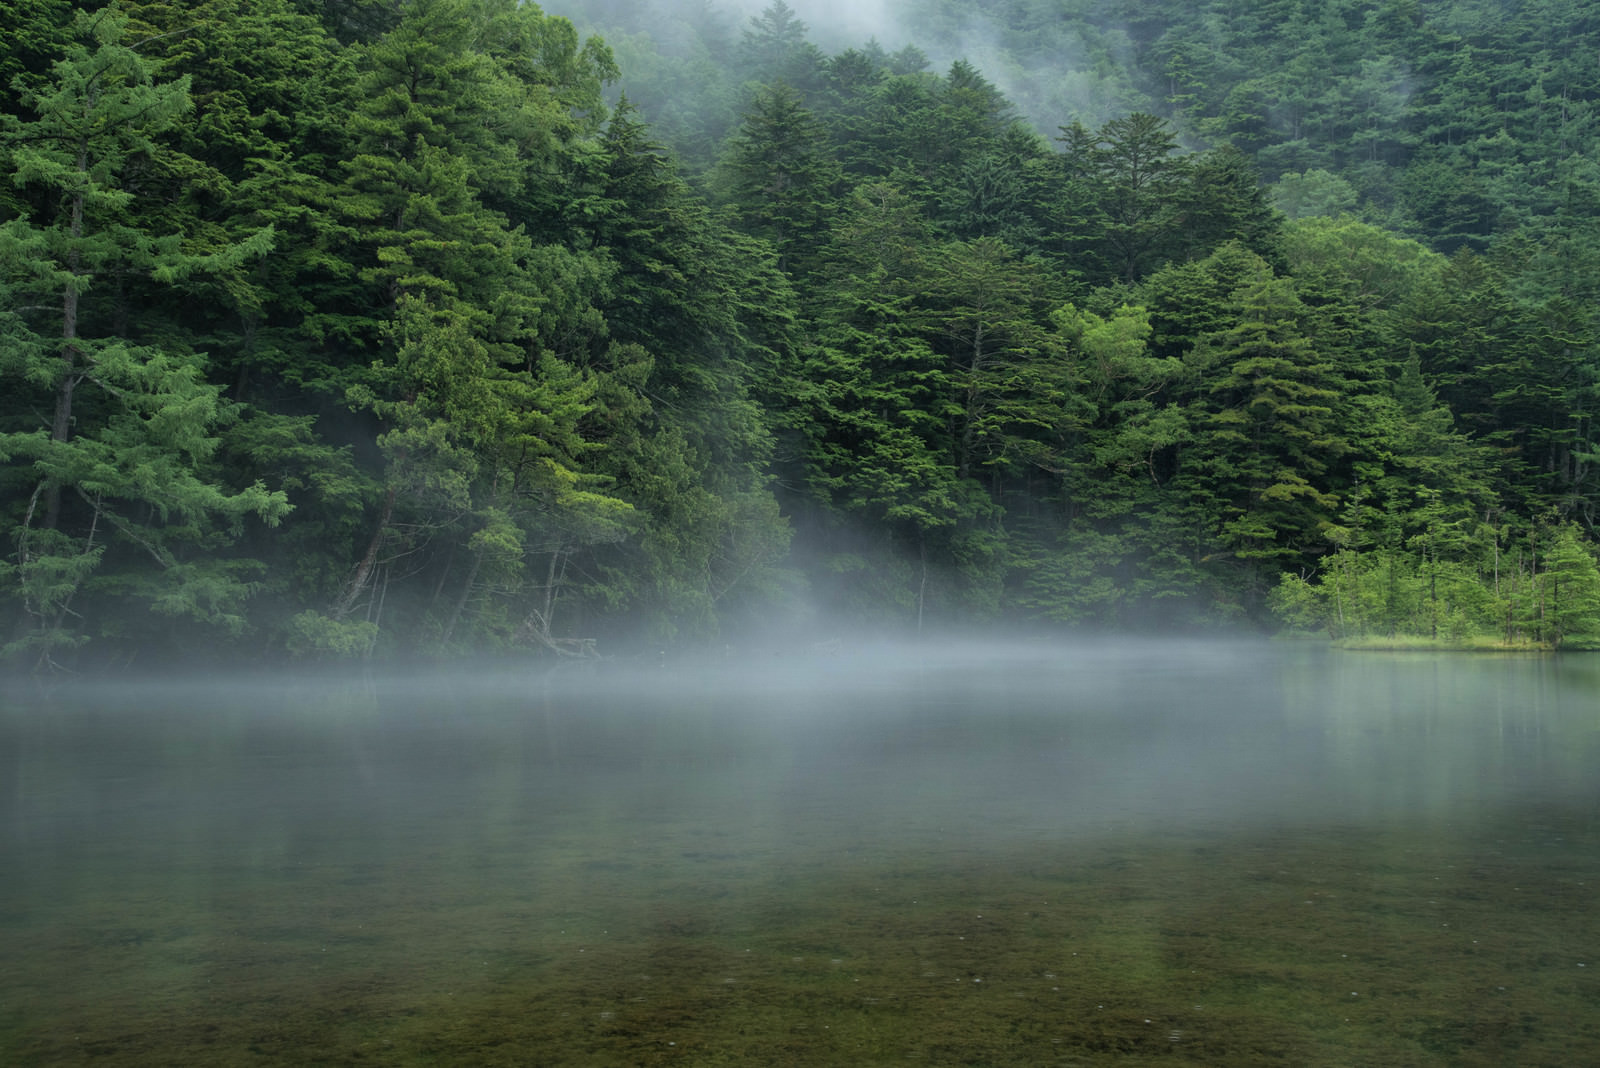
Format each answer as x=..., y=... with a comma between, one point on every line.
x=1226, y=855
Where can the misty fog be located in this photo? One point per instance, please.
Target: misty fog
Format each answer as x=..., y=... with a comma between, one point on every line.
x=1020, y=738
x=895, y=822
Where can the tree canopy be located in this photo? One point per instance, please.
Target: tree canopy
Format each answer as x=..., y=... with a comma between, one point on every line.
x=453, y=327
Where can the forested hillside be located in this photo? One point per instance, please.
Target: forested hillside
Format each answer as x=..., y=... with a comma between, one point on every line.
x=449, y=327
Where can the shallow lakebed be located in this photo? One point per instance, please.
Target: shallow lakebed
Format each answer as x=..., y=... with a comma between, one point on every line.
x=1048, y=853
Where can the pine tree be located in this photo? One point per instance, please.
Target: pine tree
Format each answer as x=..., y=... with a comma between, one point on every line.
x=113, y=439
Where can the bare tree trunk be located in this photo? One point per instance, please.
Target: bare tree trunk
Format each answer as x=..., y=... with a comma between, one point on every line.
x=969, y=420
x=375, y=611
x=548, y=615
x=537, y=623
x=922, y=587
x=1538, y=591
x=50, y=619
x=461, y=602
x=61, y=424
x=1497, y=563
x=1341, y=576
x=363, y=573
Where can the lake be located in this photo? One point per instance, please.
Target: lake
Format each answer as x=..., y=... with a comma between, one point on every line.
x=1029, y=854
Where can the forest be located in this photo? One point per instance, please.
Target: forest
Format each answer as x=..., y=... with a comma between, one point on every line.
x=445, y=328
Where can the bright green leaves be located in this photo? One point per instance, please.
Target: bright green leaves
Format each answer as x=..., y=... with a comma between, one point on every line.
x=1390, y=594
x=1122, y=384
x=1569, y=591
x=97, y=111
x=1115, y=349
x=1312, y=193
x=435, y=403
x=136, y=477
x=424, y=86
x=1544, y=591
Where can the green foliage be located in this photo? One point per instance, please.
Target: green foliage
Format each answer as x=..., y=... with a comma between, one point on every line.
x=782, y=175
x=315, y=636
x=111, y=443
x=1315, y=193
x=1445, y=590
x=369, y=330
x=1569, y=591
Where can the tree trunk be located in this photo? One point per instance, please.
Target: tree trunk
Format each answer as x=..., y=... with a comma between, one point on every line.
x=61, y=424
x=363, y=573
x=537, y=623
x=461, y=602
x=968, y=427
x=922, y=586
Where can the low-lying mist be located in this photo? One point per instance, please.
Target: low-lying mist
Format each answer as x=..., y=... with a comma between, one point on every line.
x=972, y=739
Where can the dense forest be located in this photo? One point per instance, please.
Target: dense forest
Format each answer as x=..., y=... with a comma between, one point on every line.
x=427, y=328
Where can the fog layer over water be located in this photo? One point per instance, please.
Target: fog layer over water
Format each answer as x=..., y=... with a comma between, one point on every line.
x=988, y=741
x=163, y=839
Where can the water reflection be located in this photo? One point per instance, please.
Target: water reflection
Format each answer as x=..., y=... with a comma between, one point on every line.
x=1156, y=827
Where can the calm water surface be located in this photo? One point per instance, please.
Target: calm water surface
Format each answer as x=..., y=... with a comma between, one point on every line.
x=1047, y=854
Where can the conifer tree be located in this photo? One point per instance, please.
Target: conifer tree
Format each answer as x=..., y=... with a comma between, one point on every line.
x=783, y=176
x=774, y=49
x=1273, y=430
x=1570, y=591
x=110, y=440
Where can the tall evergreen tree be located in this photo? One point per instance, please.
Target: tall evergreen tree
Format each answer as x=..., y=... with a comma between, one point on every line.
x=110, y=439
x=774, y=49
x=783, y=177
x=1273, y=428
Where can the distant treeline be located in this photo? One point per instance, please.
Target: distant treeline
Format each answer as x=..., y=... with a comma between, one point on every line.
x=389, y=329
